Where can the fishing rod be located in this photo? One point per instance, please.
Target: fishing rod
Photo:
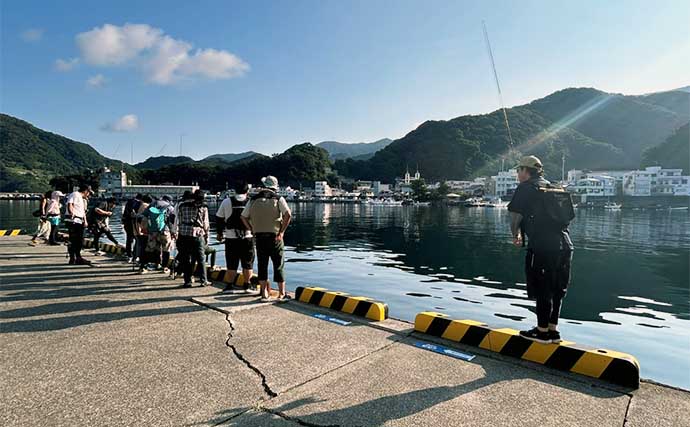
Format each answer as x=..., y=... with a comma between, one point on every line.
x=498, y=85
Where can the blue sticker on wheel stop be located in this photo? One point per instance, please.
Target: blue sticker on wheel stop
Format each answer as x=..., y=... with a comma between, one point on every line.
x=331, y=319
x=444, y=350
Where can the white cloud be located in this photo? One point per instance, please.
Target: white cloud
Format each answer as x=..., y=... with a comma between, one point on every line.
x=113, y=45
x=66, y=64
x=126, y=123
x=98, y=80
x=32, y=35
x=163, y=59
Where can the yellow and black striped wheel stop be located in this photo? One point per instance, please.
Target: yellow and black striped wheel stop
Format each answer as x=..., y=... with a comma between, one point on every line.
x=612, y=366
x=13, y=232
x=340, y=301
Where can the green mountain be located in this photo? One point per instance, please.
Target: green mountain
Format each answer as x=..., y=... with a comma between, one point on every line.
x=299, y=165
x=631, y=123
x=231, y=157
x=672, y=153
x=593, y=129
x=160, y=161
x=30, y=157
x=359, y=151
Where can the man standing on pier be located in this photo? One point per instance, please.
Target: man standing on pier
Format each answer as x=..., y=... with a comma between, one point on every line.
x=191, y=229
x=76, y=217
x=239, y=242
x=543, y=212
x=267, y=216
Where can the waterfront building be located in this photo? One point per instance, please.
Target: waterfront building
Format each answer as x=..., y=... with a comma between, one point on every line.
x=504, y=183
x=594, y=186
x=377, y=187
x=114, y=184
x=322, y=189
x=651, y=181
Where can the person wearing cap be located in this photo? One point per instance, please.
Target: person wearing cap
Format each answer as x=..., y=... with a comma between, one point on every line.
x=53, y=214
x=76, y=214
x=549, y=251
x=99, y=217
x=267, y=216
x=191, y=229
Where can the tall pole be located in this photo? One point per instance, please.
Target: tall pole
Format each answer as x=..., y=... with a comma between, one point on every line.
x=131, y=152
x=563, y=168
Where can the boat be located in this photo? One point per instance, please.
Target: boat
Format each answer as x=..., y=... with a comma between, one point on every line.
x=679, y=208
x=474, y=202
x=612, y=206
x=496, y=203
x=421, y=203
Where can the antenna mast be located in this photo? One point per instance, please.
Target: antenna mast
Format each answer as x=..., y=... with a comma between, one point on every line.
x=498, y=86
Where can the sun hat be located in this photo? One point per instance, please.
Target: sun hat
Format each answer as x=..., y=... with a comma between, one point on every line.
x=270, y=182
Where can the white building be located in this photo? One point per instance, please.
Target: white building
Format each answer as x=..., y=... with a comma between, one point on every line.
x=112, y=182
x=377, y=188
x=505, y=182
x=157, y=191
x=322, y=189
x=595, y=186
x=651, y=181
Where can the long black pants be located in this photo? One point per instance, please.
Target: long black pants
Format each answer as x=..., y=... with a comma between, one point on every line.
x=129, y=232
x=76, y=241
x=548, y=277
x=97, y=232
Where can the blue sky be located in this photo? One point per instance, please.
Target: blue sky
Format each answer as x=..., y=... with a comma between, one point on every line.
x=262, y=76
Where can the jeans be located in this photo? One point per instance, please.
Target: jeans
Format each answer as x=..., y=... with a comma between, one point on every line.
x=76, y=241
x=267, y=247
x=190, y=251
x=52, y=239
x=141, y=250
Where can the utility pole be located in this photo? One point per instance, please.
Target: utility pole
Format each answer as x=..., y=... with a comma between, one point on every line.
x=563, y=168
x=131, y=151
x=181, y=135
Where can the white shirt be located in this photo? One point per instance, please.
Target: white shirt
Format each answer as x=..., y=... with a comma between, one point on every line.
x=78, y=206
x=225, y=211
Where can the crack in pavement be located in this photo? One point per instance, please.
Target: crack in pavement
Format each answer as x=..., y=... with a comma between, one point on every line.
x=241, y=358
x=627, y=410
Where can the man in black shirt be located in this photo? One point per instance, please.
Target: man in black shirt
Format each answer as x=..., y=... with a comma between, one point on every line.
x=549, y=250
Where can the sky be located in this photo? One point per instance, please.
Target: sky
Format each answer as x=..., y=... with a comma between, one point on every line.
x=132, y=78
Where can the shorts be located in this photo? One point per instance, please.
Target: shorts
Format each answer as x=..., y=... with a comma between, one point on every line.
x=239, y=251
x=159, y=241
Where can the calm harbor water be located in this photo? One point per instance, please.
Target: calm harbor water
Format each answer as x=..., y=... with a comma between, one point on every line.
x=631, y=274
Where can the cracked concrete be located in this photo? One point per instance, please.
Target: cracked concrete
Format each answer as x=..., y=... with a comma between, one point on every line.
x=85, y=346
x=264, y=384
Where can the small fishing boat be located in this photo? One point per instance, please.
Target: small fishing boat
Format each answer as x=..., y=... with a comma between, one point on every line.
x=612, y=206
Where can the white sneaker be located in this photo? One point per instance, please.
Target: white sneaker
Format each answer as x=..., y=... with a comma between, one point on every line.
x=99, y=253
x=166, y=270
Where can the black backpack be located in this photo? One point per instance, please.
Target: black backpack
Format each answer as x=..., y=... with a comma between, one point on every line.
x=234, y=222
x=556, y=209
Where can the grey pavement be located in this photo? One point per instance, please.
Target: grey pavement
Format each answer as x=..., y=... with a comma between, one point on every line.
x=104, y=346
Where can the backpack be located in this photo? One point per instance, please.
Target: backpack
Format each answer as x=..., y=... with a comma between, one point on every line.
x=156, y=218
x=234, y=222
x=555, y=208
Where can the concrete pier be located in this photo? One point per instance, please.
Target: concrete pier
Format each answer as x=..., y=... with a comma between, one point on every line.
x=104, y=346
